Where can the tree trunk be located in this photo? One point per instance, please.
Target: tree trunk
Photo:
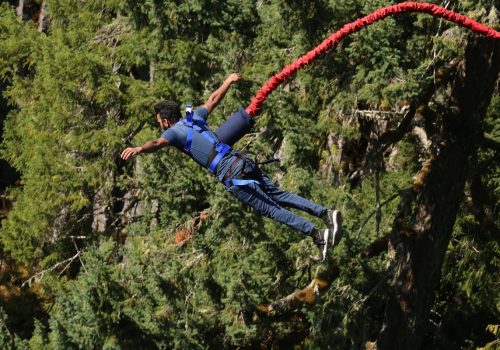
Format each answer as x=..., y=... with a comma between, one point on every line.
x=422, y=231
x=43, y=17
x=26, y=9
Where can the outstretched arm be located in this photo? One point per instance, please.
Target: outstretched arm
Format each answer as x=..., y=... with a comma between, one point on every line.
x=218, y=94
x=148, y=147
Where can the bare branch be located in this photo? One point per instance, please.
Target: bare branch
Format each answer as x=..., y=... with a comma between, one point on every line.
x=39, y=275
x=374, y=113
x=137, y=130
x=193, y=262
x=184, y=231
x=110, y=34
x=392, y=136
x=79, y=257
x=306, y=295
x=384, y=203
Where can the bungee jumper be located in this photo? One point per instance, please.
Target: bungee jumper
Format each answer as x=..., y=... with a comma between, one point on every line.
x=241, y=175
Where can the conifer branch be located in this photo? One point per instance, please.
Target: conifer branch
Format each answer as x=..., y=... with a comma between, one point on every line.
x=379, y=284
x=491, y=143
x=482, y=207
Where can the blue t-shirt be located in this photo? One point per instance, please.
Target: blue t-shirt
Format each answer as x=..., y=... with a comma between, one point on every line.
x=202, y=150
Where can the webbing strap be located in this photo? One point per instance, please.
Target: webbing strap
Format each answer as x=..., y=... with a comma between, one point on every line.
x=220, y=148
x=192, y=124
x=188, y=121
x=205, y=134
x=189, y=113
x=239, y=182
x=189, y=140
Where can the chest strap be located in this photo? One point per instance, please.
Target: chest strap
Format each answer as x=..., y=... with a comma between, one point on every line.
x=201, y=127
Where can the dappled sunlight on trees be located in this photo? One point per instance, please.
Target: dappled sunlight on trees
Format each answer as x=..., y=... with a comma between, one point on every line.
x=397, y=127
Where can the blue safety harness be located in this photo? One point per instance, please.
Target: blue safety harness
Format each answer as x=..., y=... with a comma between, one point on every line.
x=221, y=149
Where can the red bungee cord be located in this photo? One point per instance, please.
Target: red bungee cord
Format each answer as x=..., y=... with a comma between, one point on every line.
x=357, y=25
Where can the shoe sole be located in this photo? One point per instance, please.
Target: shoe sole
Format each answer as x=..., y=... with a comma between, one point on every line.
x=324, y=248
x=336, y=219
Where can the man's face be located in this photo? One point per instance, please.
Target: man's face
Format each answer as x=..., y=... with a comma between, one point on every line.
x=164, y=123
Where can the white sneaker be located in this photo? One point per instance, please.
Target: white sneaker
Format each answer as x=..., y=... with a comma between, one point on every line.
x=334, y=220
x=320, y=239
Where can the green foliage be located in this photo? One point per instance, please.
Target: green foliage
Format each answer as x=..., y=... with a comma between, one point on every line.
x=9, y=341
x=80, y=91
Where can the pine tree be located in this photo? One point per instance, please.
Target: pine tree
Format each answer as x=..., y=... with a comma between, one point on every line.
x=154, y=254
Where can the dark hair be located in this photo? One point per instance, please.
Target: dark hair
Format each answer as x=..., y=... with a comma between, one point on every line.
x=168, y=110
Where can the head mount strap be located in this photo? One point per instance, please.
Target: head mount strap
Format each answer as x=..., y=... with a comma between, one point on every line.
x=189, y=113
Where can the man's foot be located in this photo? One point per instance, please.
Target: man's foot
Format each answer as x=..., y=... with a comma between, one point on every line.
x=334, y=221
x=320, y=239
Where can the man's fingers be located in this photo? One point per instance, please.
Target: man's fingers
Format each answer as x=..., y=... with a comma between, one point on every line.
x=127, y=153
x=234, y=77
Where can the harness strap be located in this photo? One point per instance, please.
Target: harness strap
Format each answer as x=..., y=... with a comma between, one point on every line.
x=221, y=150
x=189, y=140
x=236, y=182
x=239, y=182
x=196, y=125
x=189, y=112
x=268, y=161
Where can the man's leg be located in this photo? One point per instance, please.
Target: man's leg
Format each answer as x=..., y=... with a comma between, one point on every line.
x=332, y=218
x=290, y=200
x=255, y=197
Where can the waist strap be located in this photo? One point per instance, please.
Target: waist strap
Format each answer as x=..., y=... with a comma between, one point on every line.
x=221, y=149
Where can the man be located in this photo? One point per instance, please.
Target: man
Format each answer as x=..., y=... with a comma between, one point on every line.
x=238, y=173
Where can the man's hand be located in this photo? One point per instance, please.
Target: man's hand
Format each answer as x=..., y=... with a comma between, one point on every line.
x=218, y=94
x=233, y=77
x=148, y=147
x=130, y=152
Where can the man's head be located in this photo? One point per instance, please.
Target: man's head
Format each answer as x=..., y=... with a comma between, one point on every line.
x=167, y=113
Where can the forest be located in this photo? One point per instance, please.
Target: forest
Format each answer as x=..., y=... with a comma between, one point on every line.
x=397, y=127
